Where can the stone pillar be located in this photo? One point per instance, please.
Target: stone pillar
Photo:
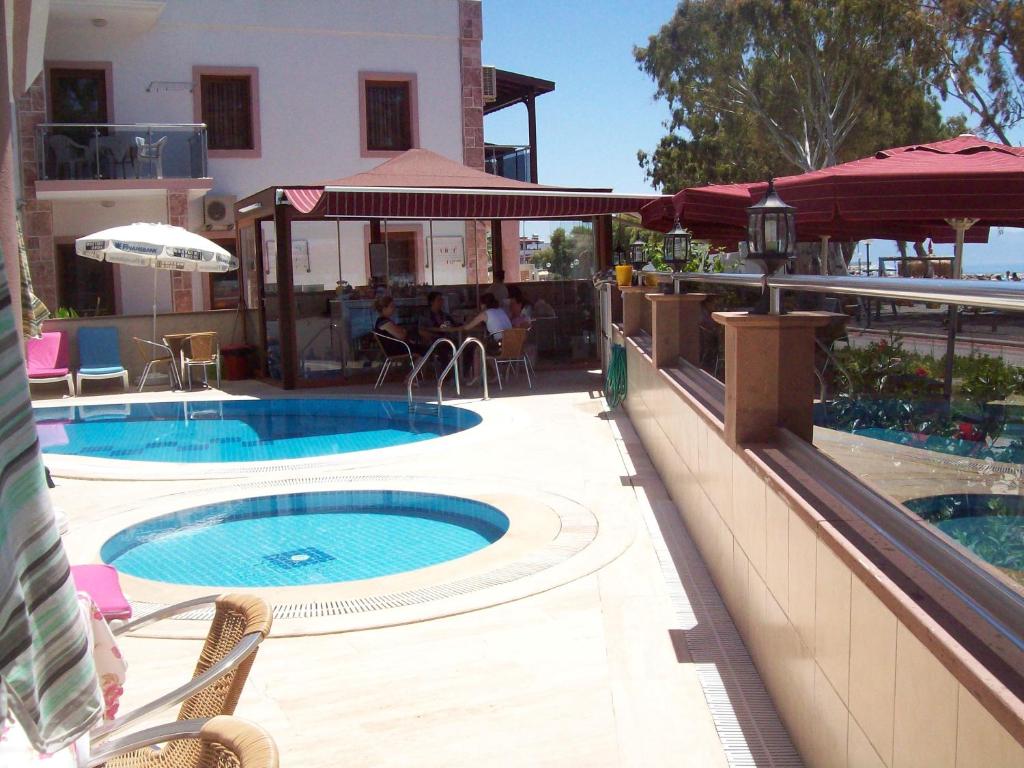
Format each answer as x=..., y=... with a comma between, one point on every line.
x=769, y=374
x=37, y=215
x=181, y=282
x=471, y=33
x=509, y=259
x=675, y=327
x=636, y=310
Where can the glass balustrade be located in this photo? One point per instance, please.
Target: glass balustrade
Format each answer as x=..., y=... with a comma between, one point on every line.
x=83, y=151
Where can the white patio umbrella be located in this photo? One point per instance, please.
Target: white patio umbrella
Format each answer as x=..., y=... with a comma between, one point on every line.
x=158, y=246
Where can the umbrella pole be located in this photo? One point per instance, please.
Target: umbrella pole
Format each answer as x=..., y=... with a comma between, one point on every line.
x=153, y=337
x=960, y=226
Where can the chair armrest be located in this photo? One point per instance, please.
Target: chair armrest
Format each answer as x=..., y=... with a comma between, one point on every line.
x=148, y=737
x=164, y=613
x=230, y=662
x=405, y=344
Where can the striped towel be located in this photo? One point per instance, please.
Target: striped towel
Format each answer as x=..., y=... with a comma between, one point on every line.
x=33, y=311
x=45, y=664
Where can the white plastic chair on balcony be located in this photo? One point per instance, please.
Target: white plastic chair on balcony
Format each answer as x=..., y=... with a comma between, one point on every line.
x=153, y=154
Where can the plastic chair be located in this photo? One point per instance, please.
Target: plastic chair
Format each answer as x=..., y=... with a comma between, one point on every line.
x=153, y=154
x=512, y=353
x=219, y=742
x=118, y=150
x=99, y=356
x=47, y=360
x=200, y=350
x=67, y=154
x=240, y=623
x=153, y=354
x=391, y=358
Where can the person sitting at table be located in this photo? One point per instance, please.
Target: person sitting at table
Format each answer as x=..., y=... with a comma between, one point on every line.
x=520, y=310
x=391, y=332
x=496, y=320
x=434, y=316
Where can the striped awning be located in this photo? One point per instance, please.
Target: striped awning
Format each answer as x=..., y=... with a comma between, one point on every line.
x=420, y=184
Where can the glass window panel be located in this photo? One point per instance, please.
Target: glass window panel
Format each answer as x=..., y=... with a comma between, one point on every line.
x=388, y=117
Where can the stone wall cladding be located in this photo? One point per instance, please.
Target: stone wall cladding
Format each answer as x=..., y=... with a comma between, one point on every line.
x=471, y=32
x=181, y=282
x=36, y=215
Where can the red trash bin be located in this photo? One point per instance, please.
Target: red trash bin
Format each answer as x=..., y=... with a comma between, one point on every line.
x=236, y=361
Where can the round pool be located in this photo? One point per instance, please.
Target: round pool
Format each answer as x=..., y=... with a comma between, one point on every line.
x=214, y=431
x=989, y=524
x=297, y=539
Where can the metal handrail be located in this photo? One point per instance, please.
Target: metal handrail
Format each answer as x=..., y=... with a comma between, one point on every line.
x=121, y=125
x=423, y=361
x=455, y=359
x=974, y=293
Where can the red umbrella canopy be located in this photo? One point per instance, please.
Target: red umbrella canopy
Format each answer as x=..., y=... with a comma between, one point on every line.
x=921, y=185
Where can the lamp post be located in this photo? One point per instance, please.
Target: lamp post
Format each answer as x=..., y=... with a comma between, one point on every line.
x=771, y=240
x=620, y=255
x=637, y=255
x=677, y=246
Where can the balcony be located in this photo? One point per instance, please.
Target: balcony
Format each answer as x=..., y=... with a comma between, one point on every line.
x=92, y=159
x=508, y=161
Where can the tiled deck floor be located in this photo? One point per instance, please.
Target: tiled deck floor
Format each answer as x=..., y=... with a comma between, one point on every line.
x=583, y=675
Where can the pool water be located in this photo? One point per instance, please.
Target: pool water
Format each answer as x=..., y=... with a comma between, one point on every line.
x=299, y=539
x=989, y=524
x=202, y=431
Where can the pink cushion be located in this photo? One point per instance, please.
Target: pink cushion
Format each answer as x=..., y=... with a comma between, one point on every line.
x=100, y=582
x=47, y=353
x=47, y=373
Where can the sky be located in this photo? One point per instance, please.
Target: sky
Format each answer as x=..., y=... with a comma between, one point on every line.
x=603, y=108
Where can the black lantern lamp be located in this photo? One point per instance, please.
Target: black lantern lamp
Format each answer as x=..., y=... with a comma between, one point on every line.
x=637, y=254
x=677, y=247
x=771, y=239
x=620, y=255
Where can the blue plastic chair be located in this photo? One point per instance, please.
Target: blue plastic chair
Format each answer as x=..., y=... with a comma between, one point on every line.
x=99, y=356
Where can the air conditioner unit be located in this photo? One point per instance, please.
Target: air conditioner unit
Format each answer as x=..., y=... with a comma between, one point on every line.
x=490, y=84
x=219, y=211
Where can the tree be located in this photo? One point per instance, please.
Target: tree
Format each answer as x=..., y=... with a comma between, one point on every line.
x=759, y=87
x=975, y=53
x=569, y=255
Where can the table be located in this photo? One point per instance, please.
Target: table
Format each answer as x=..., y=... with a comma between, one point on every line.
x=176, y=342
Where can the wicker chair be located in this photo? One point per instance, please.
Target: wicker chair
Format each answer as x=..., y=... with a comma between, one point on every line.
x=198, y=351
x=220, y=742
x=512, y=353
x=153, y=355
x=240, y=623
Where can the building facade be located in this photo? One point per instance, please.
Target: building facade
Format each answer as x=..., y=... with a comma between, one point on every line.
x=169, y=111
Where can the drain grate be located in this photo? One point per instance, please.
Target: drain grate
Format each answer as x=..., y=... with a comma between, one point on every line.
x=298, y=558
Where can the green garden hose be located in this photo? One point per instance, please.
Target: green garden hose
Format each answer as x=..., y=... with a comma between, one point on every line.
x=615, y=384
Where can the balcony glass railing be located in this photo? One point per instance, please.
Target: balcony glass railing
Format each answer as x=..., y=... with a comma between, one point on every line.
x=81, y=151
x=508, y=162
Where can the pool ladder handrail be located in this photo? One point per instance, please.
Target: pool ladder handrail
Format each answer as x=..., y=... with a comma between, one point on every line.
x=423, y=361
x=453, y=363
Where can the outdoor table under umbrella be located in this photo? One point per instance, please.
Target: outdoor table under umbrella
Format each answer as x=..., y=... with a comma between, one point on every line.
x=157, y=246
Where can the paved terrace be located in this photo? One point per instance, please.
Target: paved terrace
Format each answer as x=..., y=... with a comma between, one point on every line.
x=637, y=663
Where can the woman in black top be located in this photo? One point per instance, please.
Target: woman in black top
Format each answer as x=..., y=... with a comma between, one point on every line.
x=391, y=333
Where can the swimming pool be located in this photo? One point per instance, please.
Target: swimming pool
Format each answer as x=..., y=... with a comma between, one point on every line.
x=297, y=539
x=989, y=524
x=215, y=431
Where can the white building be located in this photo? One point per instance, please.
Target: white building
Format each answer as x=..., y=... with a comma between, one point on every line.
x=287, y=91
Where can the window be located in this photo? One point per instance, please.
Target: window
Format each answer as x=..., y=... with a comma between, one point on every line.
x=78, y=95
x=388, y=107
x=224, y=290
x=84, y=285
x=226, y=99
